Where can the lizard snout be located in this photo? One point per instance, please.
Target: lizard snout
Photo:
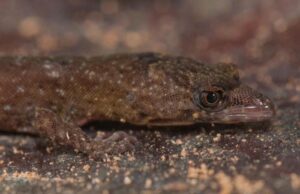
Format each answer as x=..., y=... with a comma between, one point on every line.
x=245, y=105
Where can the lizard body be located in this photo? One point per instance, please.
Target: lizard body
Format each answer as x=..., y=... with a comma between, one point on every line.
x=54, y=96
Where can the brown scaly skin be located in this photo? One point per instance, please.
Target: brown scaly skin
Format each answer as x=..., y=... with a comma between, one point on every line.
x=55, y=96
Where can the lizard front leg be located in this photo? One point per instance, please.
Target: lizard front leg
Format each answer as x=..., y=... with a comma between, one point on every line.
x=52, y=126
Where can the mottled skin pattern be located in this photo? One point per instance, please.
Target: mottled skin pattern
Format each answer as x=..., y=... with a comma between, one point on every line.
x=55, y=96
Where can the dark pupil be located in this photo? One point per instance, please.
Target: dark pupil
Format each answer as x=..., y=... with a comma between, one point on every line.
x=212, y=97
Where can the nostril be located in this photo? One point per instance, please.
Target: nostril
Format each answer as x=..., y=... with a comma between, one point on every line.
x=259, y=102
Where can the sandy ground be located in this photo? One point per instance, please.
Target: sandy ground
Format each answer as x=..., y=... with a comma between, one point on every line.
x=260, y=36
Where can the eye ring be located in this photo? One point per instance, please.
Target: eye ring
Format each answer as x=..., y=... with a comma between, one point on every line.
x=211, y=99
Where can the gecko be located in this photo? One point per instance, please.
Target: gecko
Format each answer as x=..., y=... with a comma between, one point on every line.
x=53, y=97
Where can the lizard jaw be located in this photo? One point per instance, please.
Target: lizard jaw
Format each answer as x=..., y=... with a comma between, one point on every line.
x=246, y=114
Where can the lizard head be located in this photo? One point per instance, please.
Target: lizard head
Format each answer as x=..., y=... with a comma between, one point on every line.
x=226, y=100
x=183, y=91
x=199, y=93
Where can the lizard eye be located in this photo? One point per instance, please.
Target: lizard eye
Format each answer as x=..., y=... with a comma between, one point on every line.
x=210, y=99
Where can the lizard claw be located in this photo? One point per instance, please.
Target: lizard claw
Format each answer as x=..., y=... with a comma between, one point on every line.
x=121, y=136
x=117, y=143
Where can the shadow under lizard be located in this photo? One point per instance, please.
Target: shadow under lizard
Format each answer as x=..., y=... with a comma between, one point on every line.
x=54, y=96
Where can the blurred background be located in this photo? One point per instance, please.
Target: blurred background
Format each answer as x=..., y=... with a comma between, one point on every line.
x=227, y=30
x=261, y=36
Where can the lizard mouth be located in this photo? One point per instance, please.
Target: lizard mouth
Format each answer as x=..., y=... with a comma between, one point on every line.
x=242, y=114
